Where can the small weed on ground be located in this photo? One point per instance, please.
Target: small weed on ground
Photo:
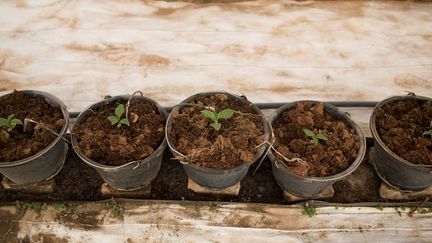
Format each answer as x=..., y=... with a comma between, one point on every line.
x=309, y=211
x=115, y=208
x=213, y=207
x=36, y=206
x=379, y=207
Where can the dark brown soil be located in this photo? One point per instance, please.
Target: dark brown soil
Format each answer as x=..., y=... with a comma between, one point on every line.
x=17, y=144
x=79, y=182
x=171, y=184
x=401, y=124
x=235, y=143
x=325, y=158
x=107, y=144
x=75, y=182
x=360, y=186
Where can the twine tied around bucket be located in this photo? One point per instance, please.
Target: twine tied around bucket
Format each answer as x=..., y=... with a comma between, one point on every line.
x=44, y=126
x=271, y=147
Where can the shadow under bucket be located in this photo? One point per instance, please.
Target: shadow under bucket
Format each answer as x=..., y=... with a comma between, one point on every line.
x=307, y=186
x=134, y=174
x=217, y=178
x=48, y=162
x=391, y=168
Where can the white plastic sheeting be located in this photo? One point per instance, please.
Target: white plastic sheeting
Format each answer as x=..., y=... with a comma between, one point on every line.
x=161, y=221
x=271, y=51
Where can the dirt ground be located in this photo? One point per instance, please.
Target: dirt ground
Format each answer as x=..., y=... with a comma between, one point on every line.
x=79, y=182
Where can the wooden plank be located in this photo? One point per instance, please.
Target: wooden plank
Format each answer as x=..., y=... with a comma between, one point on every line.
x=269, y=50
x=158, y=221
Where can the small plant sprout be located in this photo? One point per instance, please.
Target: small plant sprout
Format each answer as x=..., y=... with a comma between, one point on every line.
x=10, y=122
x=429, y=132
x=315, y=137
x=214, y=117
x=117, y=119
x=309, y=210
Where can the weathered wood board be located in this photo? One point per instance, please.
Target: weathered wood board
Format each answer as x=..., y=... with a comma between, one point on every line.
x=271, y=51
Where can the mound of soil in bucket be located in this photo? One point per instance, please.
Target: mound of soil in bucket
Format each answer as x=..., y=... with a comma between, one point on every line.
x=17, y=144
x=325, y=158
x=235, y=143
x=401, y=125
x=111, y=145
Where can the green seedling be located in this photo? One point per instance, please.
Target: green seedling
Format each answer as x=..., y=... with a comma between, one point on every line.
x=115, y=208
x=309, y=211
x=379, y=207
x=429, y=132
x=315, y=137
x=59, y=206
x=117, y=119
x=258, y=209
x=10, y=122
x=36, y=206
x=214, y=117
x=213, y=208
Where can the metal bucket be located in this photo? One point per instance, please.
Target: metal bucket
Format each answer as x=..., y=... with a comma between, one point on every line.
x=308, y=186
x=217, y=178
x=134, y=174
x=48, y=162
x=391, y=168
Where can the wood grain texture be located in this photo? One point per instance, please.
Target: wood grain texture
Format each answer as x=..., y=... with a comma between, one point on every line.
x=271, y=51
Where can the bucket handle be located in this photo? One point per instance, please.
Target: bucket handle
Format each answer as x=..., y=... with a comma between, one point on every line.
x=271, y=147
x=269, y=143
x=129, y=100
x=410, y=93
x=168, y=141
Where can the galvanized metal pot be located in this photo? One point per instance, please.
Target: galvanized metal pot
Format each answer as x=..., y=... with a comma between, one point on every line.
x=391, y=168
x=48, y=162
x=308, y=186
x=216, y=178
x=134, y=174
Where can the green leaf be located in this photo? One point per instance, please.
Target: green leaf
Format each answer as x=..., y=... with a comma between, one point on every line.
x=314, y=140
x=119, y=110
x=15, y=122
x=322, y=137
x=113, y=119
x=216, y=126
x=225, y=114
x=427, y=133
x=125, y=121
x=9, y=118
x=309, y=133
x=3, y=122
x=210, y=115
